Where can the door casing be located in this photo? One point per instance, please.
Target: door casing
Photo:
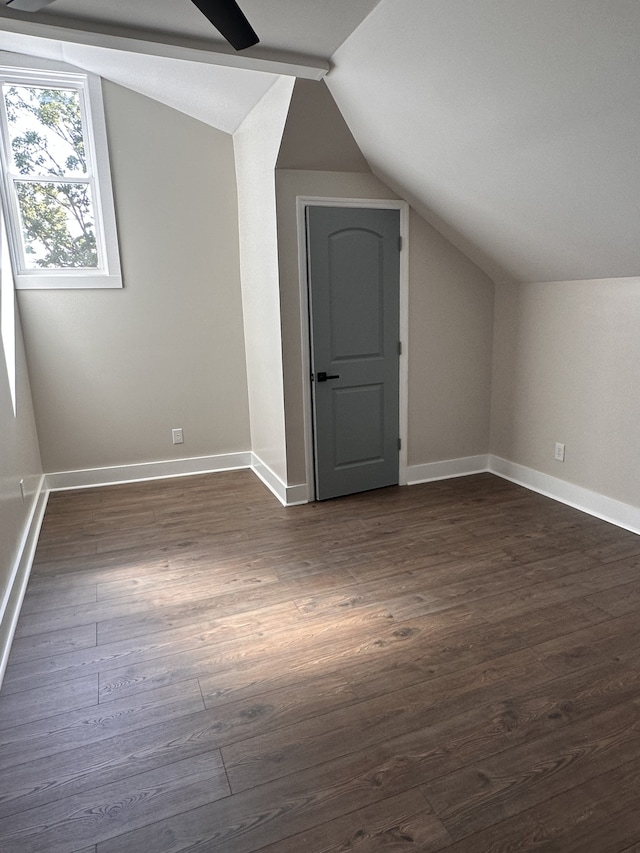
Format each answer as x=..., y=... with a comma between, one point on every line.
x=392, y=204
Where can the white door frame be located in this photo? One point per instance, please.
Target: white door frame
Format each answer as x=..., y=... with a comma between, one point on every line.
x=302, y=202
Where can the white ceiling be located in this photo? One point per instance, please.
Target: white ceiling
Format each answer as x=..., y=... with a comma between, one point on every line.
x=168, y=50
x=217, y=95
x=511, y=126
x=311, y=27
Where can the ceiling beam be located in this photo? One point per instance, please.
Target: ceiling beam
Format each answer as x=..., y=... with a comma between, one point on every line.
x=156, y=44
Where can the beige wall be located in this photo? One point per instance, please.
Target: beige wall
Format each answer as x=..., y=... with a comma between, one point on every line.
x=566, y=367
x=112, y=371
x=19, y=460
x=316, y=136
x=450, y=329
x=450, y=350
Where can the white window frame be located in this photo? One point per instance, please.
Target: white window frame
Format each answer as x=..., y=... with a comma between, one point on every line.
x=107, y=274
x=8, y=314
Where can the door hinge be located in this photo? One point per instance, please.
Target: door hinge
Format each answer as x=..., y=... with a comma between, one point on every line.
x=399, y=444
x=399, y=244
x=399, y=347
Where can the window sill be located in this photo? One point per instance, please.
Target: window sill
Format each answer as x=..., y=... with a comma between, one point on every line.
x=67, y=282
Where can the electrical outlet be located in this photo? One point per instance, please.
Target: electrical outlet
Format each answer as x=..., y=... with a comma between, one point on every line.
x=559, y=452
x=177, y=436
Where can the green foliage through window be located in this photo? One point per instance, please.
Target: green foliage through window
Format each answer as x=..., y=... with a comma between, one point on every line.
x=50, y=177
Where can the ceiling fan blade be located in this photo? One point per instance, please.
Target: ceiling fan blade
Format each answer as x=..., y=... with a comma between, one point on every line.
x=227, y=17
x=27, y=5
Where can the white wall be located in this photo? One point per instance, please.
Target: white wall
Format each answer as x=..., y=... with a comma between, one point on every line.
x=566, y=368
x=19, y=460
x=113, y=371
x=256, y=144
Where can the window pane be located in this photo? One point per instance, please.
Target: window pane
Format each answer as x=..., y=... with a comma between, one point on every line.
x=57, y=225
x=45, y=127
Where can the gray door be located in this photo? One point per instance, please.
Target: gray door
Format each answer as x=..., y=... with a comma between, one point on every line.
x=354, y=276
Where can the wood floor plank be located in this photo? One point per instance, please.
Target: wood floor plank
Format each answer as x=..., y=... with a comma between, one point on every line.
x=215, y=575
x=112, y=656
x=522, y=714
x=323, y=646
x=68, y=613
x=603, y=642
x=53, y=643
x=623, y=547
x=126, y=753
x=586, y=817
x=39, y=703
x=535, y=626
x=75, y=615
x=59, y=733
x=70, y=572
x=403, y=822
x=101, y=813
x=453, y=666
x=265, y=815
x=619, y=600
x=118, y=623
x=40, y=602
x=506, y=784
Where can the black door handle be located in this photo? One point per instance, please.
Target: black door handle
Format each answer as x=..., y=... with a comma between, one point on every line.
x=322, y=376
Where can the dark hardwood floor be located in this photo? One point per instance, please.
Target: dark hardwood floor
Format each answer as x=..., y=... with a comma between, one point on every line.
x=454, y=666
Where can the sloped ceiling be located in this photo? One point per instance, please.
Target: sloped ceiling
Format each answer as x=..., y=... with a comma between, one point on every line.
x=168, y=50
x=216, y=95
x=306, y=27
x=512, y=126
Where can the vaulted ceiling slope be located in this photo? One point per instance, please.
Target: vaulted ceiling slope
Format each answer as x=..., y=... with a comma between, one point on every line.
x=306, y=27
x=168, y=50
x=512, y=126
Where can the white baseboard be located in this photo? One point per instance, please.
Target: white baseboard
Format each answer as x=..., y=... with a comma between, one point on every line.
x=287, y=495
x=618, y=513
x=90, y=477
x=116, y=474
x=447, y=469
x=19, y=577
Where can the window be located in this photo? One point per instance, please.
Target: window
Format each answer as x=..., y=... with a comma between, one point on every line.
x=56, y=181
